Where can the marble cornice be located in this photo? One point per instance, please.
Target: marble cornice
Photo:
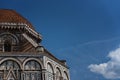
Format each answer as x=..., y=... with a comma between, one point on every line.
x=24, y=26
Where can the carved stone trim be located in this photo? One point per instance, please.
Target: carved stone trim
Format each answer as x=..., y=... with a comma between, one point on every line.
x=20, y=26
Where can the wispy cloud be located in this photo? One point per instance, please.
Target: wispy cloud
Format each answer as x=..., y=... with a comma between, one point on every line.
x=78, y=45
x=100, y=41
x=110, y=69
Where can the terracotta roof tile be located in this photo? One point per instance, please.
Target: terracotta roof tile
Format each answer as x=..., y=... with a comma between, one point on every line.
x=12, y=16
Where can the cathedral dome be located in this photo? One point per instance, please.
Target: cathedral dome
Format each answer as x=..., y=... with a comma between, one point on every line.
x=11, y=16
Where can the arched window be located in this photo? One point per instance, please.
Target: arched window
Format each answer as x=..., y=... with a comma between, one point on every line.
x=9, y=42
x=32, y=71
x=50, y=71
x=7, y=46
x=58, y=74
x=11, y=70
x=65, y=76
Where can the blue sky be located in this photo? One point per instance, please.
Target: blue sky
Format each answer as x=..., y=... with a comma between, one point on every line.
x=84, y=32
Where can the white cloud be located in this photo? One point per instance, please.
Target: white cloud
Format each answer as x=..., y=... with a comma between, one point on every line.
x=110, y=69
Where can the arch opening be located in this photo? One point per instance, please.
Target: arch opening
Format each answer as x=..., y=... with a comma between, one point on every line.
x=50, y=72
x=10, y=69
x=58, y=74
x=7, y=46
x=32, y=70
x=65, y=76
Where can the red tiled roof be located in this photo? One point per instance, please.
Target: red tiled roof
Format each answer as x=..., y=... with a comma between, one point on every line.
x=11, y=16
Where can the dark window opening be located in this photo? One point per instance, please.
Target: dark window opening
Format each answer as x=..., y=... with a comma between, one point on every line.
x=7, y=46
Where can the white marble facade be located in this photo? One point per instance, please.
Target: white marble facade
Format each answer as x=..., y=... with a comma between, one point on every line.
x=37, y=67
